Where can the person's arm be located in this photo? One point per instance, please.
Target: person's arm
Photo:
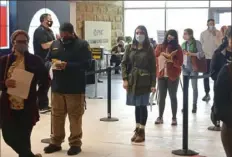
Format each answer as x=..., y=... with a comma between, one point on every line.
x=43, y=40
x=222, y=89
x=214, y=69
x=114, y=50
x=153, y=68
x=202, y=38
x=157, y=51
x=86, y=58
x=178, y=58
x=200, y=53
x=124, y=64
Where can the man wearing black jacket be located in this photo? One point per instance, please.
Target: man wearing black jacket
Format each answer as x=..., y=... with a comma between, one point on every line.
x=69, y=58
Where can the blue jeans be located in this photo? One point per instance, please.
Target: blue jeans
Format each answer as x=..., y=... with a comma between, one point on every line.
x=188, y=72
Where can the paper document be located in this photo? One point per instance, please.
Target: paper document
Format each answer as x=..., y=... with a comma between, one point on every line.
x=162, y=62
x=23, y=83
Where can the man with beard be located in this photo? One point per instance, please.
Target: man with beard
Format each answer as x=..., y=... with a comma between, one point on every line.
x=69, y=58
x=43, y=38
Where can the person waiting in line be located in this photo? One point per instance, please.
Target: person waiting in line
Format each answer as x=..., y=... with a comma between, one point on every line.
x=19, y=115
x=224, y=39
x=117, y=52
x=223, y=105
x=42, y=40
x=69, y=57
x=169, y=58
x=139, y=78
x=220, y=58
x=210, y=40
x=192, y=48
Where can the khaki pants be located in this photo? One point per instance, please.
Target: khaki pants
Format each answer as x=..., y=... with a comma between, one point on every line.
x=73, y=105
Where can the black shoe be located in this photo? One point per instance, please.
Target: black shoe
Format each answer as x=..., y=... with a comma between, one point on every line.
x=194, y=110
x=206, y=98
x=74, y=150
x=45, y=110
x=52, y=149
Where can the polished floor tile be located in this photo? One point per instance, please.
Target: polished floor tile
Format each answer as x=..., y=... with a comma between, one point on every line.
x=112, y=139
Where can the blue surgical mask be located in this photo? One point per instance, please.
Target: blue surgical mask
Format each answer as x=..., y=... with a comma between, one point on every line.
x=140, y=38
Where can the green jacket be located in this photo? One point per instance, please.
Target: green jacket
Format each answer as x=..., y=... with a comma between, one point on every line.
x=139, y=69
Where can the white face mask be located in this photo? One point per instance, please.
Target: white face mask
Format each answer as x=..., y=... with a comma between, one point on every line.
x=140, y=38
x=211, y=27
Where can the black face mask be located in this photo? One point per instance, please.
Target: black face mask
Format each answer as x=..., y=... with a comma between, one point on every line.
x=67, y=41
x=120, y=46
x=50, y=23
x=172, y=42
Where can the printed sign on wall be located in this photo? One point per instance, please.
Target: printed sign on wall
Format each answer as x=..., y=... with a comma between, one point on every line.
x=4, y=25
x=98, y=34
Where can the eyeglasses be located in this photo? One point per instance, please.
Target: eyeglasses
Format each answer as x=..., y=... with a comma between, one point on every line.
x=21, y=41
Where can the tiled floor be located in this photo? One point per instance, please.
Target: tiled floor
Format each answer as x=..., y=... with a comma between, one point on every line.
x=112, y=139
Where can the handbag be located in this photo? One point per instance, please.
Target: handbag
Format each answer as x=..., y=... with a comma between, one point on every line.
x=199, y=65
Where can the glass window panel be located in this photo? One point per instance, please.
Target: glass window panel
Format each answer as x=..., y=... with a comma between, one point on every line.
x=187, y=3
x=195, y=19
x=218, y=4
x=152, y=19
x=224, y=19
x=143, y=4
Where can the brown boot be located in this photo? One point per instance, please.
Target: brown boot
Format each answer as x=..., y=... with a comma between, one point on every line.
x=135, y=134
x=140, y=136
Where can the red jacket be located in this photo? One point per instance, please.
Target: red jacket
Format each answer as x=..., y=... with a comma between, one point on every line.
x=173, y=69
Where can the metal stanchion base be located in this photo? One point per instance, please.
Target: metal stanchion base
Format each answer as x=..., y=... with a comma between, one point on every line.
x=46, y=140
x=182, y=152
x=96, y=97
x=214, y=128
x=106, y=119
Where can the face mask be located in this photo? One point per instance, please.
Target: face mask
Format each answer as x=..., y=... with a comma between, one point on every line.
x=67, y=40
x=21, y=48
x=49, y=23
x=120, y=45
x=140, y=38
x=211, y=27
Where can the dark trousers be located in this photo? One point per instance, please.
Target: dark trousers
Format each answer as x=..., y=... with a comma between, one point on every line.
x=116, y=60
x=164, y=85
x=226, y=136
x=43, y=100
x=17, y=134
x=141, y=115
x=206, y=80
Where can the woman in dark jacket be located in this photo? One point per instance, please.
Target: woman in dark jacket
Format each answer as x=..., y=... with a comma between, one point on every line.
x=18, y=115
x=139, y=78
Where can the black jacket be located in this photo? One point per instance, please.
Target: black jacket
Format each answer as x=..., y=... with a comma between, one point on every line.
x=223, y=94
x=218, y=61
x=78, y=56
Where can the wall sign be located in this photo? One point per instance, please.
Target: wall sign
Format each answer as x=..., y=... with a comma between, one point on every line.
x=98, y=34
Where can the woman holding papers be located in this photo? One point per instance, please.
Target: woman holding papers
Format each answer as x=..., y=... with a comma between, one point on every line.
x=169, y=61
x=192, y=50
x=20, y=72
x=139, y=78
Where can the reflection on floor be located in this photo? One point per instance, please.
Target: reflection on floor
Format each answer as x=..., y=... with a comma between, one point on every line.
x=104, y=139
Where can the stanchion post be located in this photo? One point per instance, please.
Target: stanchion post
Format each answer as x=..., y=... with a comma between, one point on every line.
x=109, y=118
x=185, y=151
x=96, y=84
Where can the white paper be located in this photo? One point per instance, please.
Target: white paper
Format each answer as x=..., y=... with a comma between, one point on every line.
x=23, y=83
x=162, y=62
